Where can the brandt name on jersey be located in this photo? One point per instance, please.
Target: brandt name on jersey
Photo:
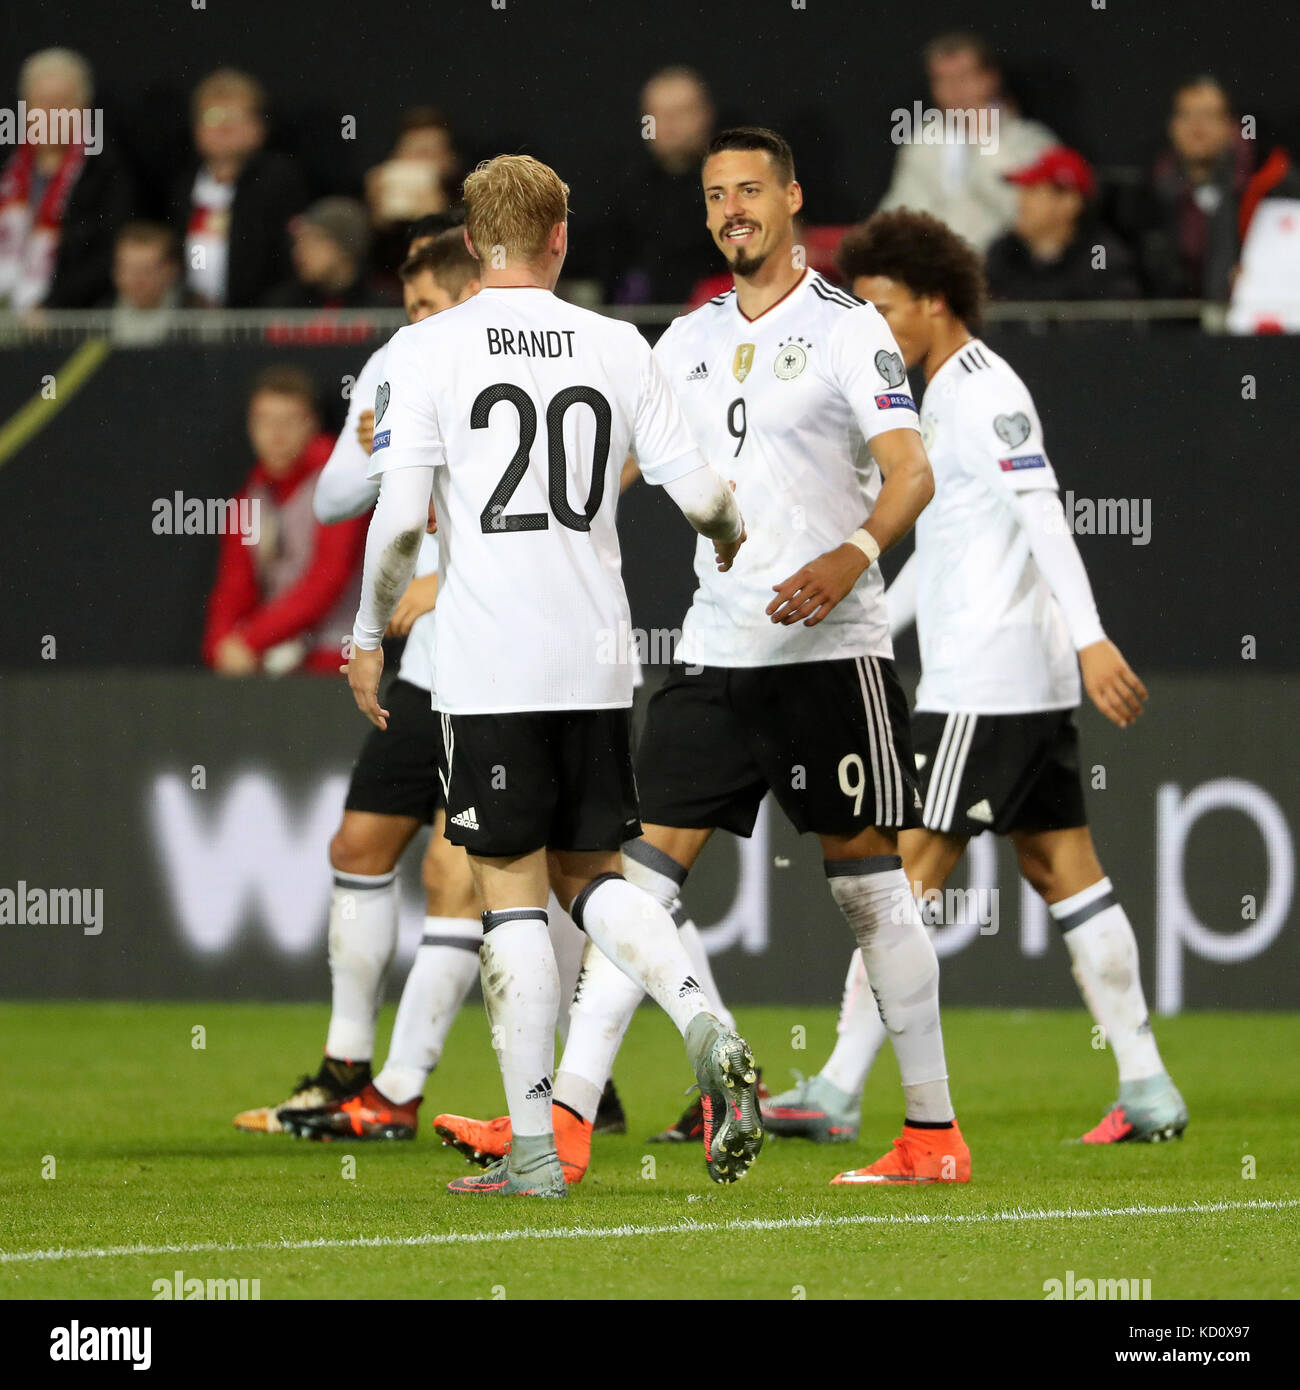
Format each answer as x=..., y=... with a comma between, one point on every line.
x=530, y=342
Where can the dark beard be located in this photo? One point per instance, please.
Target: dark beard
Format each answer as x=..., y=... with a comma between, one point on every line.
x=745, y=266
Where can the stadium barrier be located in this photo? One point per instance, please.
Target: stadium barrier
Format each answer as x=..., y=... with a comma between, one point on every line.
x=290, y=327
x=166, y=837
x=1148, y=432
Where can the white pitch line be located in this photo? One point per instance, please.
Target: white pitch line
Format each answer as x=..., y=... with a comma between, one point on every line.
x=677, y=1228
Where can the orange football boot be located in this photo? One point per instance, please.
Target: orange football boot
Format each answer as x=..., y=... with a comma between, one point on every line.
x=918, y=1155
x=484, y=1141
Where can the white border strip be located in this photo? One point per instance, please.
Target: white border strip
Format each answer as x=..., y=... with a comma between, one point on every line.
x=678, y=1228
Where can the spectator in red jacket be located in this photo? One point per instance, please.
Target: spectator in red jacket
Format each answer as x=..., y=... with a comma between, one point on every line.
x=287, y=590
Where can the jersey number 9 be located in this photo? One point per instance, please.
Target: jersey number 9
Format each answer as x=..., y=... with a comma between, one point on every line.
x=737, y=425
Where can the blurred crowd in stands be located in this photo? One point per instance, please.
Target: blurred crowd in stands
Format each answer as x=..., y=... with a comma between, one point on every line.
x=242, y=232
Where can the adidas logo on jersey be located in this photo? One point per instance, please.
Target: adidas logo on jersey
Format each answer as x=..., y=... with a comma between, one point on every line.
x=981, y=811
x=467, y=820
x=542, y=1091
x=700, y=373
x=689, y=986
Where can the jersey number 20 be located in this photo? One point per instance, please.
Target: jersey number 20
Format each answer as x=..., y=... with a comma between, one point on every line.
x=493, y=518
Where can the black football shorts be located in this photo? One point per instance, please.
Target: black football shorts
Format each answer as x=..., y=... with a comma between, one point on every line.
x=830, y=739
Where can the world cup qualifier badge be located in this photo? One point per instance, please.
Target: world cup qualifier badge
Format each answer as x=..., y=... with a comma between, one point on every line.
x=1012, y=430
x=791, y=358
x=381, y=402
x=890, y=366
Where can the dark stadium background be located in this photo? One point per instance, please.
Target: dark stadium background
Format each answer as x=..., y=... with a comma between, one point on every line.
x=1130, y=411
x=560, y=78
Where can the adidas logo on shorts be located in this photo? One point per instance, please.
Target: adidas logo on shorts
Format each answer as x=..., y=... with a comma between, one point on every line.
x=541, y=1091
x=467, y=820
x=689, y=986
x=981, y=811
x=700, y=373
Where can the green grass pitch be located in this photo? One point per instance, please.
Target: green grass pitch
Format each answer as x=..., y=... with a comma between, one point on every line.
x=132, y=1121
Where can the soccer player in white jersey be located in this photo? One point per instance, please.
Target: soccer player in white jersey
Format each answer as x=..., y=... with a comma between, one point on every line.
x=1003, y=608
x=515, y=411
x=394, y=790
x=796, y=391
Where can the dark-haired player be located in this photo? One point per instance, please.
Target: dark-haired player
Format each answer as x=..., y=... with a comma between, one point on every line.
x=393, y=792
x=796, y=391
x=1006, y=619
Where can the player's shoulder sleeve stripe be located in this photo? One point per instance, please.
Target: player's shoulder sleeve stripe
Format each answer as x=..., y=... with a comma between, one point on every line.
x=972, y=360
x=823, y=289
x=837, y=289
x=722, y=298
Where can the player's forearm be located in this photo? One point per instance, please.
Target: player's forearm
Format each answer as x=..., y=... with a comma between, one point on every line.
x=706, y=500
x=906, y=491
x=392, y=549
x=1060, y=564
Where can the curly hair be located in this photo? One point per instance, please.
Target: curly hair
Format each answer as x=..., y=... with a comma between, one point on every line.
x=919, y=251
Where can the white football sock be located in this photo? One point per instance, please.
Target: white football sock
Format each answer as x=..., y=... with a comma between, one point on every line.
x=441, y=975
x=638, y=936
x=603, y=1004
x=1104, y=958
x=568, y=943
x=859, y=1034
x=689, y=935
x=362, y=938
x=521, y=991
x=876, y=900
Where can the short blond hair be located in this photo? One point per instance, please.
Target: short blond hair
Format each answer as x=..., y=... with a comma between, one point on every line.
x=57, y=60
x=512, y=202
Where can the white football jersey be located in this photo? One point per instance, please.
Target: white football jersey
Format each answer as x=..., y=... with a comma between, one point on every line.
x=993, y=637
x=526, y=407
x=354, y=489
x=784, y=406
x=418, y=654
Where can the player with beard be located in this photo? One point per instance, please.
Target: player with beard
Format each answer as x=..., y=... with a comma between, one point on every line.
x=795, y=390
x=1006, y=620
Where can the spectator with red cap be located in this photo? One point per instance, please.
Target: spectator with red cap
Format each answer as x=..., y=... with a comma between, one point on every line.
x=288, y=588
x=1057, y=248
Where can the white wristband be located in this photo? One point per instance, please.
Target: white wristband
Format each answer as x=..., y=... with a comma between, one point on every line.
x=866, y=543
